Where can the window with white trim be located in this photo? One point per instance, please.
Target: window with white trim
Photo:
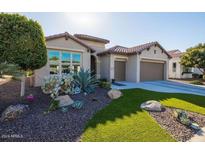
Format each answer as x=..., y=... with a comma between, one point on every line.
x=174, y=67
x=64, y=61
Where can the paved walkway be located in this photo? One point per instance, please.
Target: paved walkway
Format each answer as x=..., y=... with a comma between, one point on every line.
x=199, y=137
x=163, y=86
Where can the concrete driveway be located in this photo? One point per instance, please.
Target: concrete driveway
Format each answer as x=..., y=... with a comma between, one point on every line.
x=162, y=86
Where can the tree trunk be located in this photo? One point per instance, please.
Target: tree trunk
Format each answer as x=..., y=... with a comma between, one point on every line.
x=204, y=74
x=31, y=81
x=22, y=86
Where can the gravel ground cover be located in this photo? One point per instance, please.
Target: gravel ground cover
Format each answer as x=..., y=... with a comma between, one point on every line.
x=55, y=126
x=179, y=131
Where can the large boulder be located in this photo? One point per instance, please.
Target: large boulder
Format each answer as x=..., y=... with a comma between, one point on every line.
x=114, y=94
x=13, y=111
x=152, y=105
x=64, y=100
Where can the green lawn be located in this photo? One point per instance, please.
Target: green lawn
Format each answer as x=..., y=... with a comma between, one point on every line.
x=123, y=120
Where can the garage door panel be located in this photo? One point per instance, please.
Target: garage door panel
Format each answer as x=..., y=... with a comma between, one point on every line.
x=150, y=71
x=119, y=70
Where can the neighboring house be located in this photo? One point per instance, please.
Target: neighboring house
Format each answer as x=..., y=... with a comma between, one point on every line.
x=178, y=71
x=68, y=52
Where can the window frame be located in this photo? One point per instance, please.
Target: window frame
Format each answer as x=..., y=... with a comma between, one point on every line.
x=174, y=69
x=60, y=63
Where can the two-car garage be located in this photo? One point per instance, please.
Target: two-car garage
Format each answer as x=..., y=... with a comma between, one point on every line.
x=149, y=70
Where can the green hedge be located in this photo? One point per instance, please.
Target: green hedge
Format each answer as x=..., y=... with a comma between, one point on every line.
x=22, y=42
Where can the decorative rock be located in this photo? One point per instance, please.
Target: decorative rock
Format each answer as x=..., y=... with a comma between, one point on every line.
x=114, y=94
x=13, y=111
x=151, y=105
x=64, y=100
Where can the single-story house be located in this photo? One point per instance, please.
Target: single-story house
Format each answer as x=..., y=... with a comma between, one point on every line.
x=178, y=71
x=68, y=52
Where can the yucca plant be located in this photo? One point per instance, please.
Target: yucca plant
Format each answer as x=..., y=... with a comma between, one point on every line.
x=86, y=80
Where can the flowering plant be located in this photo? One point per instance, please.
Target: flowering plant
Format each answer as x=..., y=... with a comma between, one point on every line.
x=30, y=98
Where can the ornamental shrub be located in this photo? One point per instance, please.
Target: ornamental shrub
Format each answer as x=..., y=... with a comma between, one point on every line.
x=22, y=42
x=56, y=84
x=104, y=84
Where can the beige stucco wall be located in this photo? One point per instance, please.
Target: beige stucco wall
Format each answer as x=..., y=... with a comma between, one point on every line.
x=150, y=54
x=62, y=44
x=178, y=72
x=39, y=75
x=66, y=44
x=96, y=45
x=131, y=68
x=179, y=69
x=105, y=66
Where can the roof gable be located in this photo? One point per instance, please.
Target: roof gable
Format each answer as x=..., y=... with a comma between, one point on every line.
x=91, y=38
x=67, y=35
x=133, y=50
x=175, y=53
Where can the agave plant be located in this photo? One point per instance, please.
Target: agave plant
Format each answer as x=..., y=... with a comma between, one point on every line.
x=183, y=118
x=86, y=80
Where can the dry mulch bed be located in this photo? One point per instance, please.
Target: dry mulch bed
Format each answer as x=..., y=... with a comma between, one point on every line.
x=179, y=131
x=55, y=126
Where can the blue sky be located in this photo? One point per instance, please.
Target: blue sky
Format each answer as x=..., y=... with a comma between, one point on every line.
x=171, y=30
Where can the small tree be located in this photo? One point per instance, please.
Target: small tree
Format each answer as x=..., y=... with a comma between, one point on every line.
x=195, y=57
x=22, y=42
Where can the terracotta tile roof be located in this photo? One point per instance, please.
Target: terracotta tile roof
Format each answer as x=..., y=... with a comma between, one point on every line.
x=129, y=51
x=67, y=35
x=175, y=53
x=92, y=38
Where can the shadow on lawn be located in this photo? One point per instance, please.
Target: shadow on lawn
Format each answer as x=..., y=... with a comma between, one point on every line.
x=130, y=102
